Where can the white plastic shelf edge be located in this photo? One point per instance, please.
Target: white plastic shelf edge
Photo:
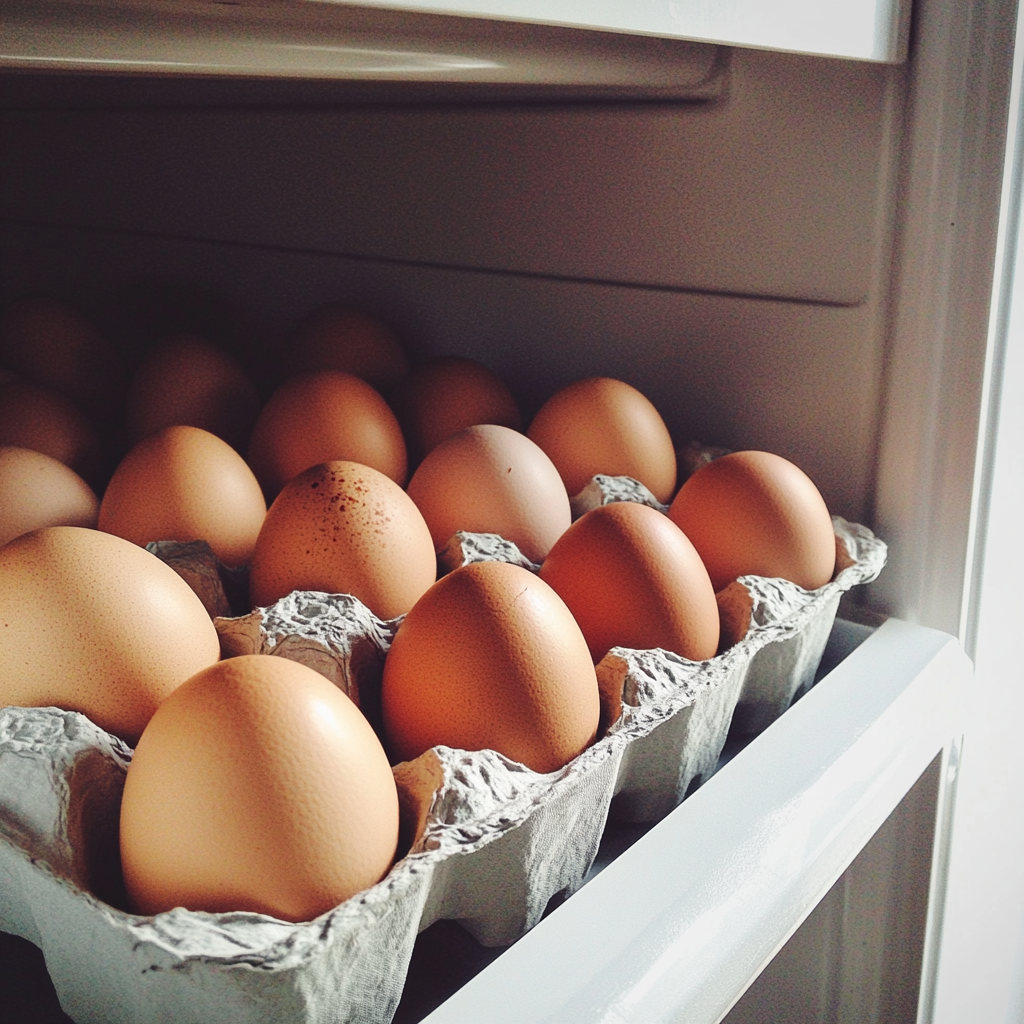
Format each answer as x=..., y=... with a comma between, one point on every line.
x=864, y=29
x=676, y=927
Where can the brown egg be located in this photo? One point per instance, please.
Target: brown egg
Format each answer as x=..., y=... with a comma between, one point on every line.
x=446, y=395
x=754, y=513
x=185, y=484
x=323, y=417
x=601, y=425
x=37, y=491
x=187, y=381
x=92, y=623
x=337, y=337
x=490, y=479
x=41, y=419
x=490, y=658
x=257, y=786
x=52, y=344
x=632, y=579
x=344, y=528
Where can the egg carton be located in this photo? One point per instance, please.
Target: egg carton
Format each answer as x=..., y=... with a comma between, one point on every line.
x=488, y=841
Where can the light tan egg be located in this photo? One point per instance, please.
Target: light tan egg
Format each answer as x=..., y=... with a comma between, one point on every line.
x=37, y=491
x=337, y=337
x=95, y=624
x=631, y=578
x=52, y=344
x=445, y=395
x=491, y=658
x=187, y=381
x=324, y=416
x=344, y=528
x=185, y=484
x=755, y=513
x=45, y=421
x=490, y=479
x=602, y=425
x=257, y=786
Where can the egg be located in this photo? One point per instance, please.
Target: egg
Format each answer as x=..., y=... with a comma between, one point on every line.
x=185, y=484
x=45, y=421
x=446, y=395
x=187, y=381
x=491, y=658
x=37, y=491
x=53, y=345
x=257, y=786
x=602, y=425
x=631, y=578
x=756, y=513
x=491, y=479
x=324, y=416
x=95, y=624
x=337, y=337
x=344, y=528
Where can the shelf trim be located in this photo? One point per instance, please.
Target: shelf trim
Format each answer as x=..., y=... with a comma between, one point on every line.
x=682, y=922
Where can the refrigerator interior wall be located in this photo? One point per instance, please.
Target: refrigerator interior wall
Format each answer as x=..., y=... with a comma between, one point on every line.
x=722, y=256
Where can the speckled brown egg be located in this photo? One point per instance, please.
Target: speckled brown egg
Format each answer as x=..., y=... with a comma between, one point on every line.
x=185, y=484
x=95, y=624
x=37, y=491
x=445, y=395
x=324, y=416
x=755, y=513
x=187, y=381
x=338, y=337
x=490, y=479
x=257, y=786
x=344, y=528
x=631, y=578
x=491, y=658
x=603, y=425
x=45, y=421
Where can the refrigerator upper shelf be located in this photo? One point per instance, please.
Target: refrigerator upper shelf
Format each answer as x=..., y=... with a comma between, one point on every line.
x=639, y=48
x=305, y=39
x=863, y=29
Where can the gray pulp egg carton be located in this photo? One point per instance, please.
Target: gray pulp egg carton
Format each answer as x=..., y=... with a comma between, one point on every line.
x=489, y=841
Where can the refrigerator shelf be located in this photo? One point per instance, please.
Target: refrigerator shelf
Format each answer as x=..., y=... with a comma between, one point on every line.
x=611, y=45
x=302, y=39
x=679, y=926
